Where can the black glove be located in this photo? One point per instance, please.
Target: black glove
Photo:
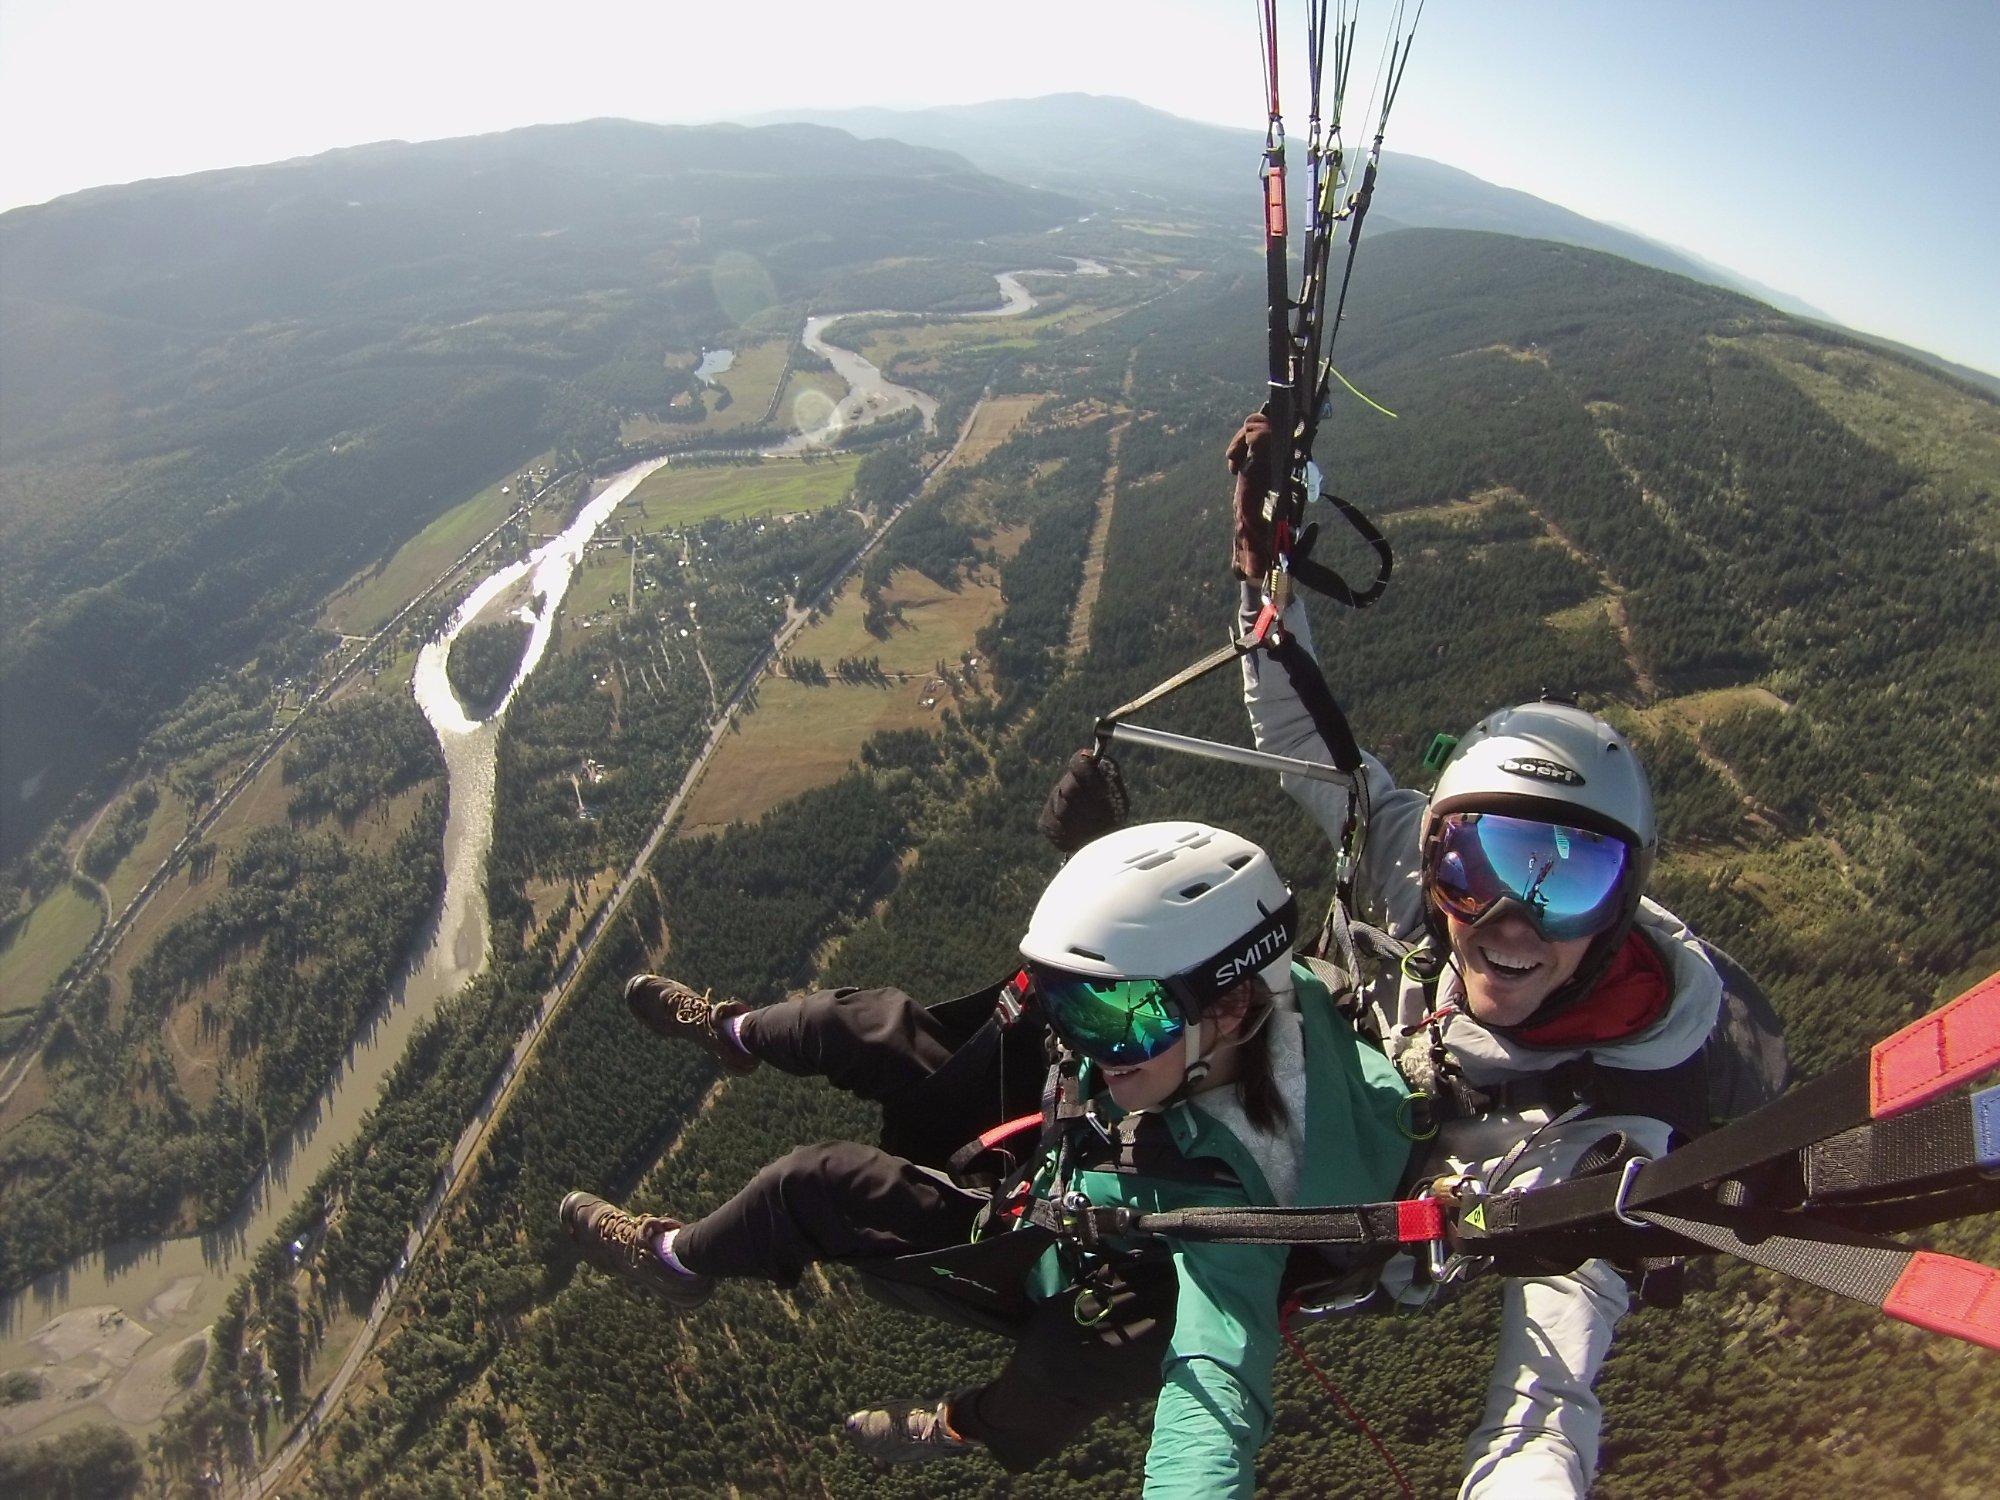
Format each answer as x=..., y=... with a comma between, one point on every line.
x=1086, y=804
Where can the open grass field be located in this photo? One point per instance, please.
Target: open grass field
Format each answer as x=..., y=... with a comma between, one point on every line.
x=936, y=624
x=674, y=497
x=749, y=381
x=797, y=738
x=1693, y=710
x=163, y=830
x=992, y=425
x=56, y=931
x=365, y=601
x=603, y=573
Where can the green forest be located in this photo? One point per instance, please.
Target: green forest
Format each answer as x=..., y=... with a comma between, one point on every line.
x=1566, y=421
x=482, y=662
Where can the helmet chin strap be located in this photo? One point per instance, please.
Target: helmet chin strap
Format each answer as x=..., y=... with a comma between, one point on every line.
x=1198, y=1062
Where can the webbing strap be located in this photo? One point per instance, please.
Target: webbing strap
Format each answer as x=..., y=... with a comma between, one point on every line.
x=1939, y=1292
x=1217, y=658
x=1932, y=1054
x=1318, y=576
x=1407, y=1222
x=1954, y=1043
x=1861, y=1266
x=1934, y=1143
x=1309, y=682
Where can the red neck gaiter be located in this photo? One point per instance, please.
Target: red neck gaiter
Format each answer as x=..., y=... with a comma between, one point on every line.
x=1633, y=993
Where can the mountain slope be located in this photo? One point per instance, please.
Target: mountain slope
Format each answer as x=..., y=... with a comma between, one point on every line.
x=226, y=393
x=1100, y=147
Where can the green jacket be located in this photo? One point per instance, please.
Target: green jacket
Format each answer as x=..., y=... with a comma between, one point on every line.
x=1215, y=1392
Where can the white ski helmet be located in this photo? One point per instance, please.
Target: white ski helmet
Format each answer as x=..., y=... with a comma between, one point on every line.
x=1552, y=760
x=1180, y=901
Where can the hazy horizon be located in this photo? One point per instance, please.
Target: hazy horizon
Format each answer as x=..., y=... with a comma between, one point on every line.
x=1727, y=132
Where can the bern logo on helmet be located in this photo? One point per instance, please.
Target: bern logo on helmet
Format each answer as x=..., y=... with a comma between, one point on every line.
x=1274, y=941
x=1542, y=770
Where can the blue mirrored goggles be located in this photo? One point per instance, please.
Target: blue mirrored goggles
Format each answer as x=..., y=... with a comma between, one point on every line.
x=1570, y=882
x=1117, y=1022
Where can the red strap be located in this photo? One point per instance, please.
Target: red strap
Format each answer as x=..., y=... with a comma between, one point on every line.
x=1935, y=1052
x=1419, y=1219
x=1266, y=618
x=1000, y=1132
x=1274, y=203
x=1948, y=1295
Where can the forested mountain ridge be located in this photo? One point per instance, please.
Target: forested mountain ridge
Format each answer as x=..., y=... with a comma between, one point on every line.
x=1099, y=146
x=1693, y=512
x=227, y=393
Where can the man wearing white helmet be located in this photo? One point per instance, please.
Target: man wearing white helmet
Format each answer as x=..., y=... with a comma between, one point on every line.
x=1160, y=959
x=1516, y=973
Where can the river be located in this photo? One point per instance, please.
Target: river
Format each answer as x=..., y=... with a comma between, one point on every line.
x=104, y=1332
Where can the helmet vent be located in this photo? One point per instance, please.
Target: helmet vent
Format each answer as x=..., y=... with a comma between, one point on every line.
x=1154, y=860
x=1240, y=861
x=1086, y=953
x=1199, y=888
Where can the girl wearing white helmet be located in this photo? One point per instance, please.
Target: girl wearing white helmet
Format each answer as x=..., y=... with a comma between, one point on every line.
x=1504, y=933
x=1159, y=959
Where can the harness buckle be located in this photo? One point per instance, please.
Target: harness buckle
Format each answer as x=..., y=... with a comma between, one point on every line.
x=1625, y=1181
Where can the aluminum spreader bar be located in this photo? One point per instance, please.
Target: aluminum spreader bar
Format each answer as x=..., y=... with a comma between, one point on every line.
x=1237, y=755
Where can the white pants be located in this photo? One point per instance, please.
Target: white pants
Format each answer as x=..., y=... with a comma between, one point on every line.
x=1540, y=1431
x=1539, y=1434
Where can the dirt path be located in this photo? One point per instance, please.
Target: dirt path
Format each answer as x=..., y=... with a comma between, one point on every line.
x=1614, y=603
x=1100, y=531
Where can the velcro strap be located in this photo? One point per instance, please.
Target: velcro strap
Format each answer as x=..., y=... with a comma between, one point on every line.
x=1952, y=1044
x=1893, y=1157
x=1948, y=1295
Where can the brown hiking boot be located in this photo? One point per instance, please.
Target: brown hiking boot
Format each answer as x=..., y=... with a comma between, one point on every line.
x=906, y=1432
x=622, y=1243
x=676, y=1012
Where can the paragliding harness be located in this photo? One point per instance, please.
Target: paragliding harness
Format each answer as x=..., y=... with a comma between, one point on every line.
x=1810, y=1185
x=1016, y=1100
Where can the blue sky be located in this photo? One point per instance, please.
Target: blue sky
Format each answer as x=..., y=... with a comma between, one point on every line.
x=1842, y=152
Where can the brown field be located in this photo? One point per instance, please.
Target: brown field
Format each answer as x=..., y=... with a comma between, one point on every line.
x=1005, y=541
x=545, y=896
x=197, y=1059
x=797, y=738
x=994, y=423
x=29, y=1097
x=1451, y=510
x=936, y=624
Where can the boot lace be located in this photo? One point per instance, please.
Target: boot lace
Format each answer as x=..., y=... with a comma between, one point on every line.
x=691, y=1009
x=621, y=1231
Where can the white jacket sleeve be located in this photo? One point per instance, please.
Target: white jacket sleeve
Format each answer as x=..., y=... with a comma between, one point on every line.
x=1282, y=725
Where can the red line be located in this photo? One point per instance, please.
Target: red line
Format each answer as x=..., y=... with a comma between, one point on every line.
x=1292, y=1343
